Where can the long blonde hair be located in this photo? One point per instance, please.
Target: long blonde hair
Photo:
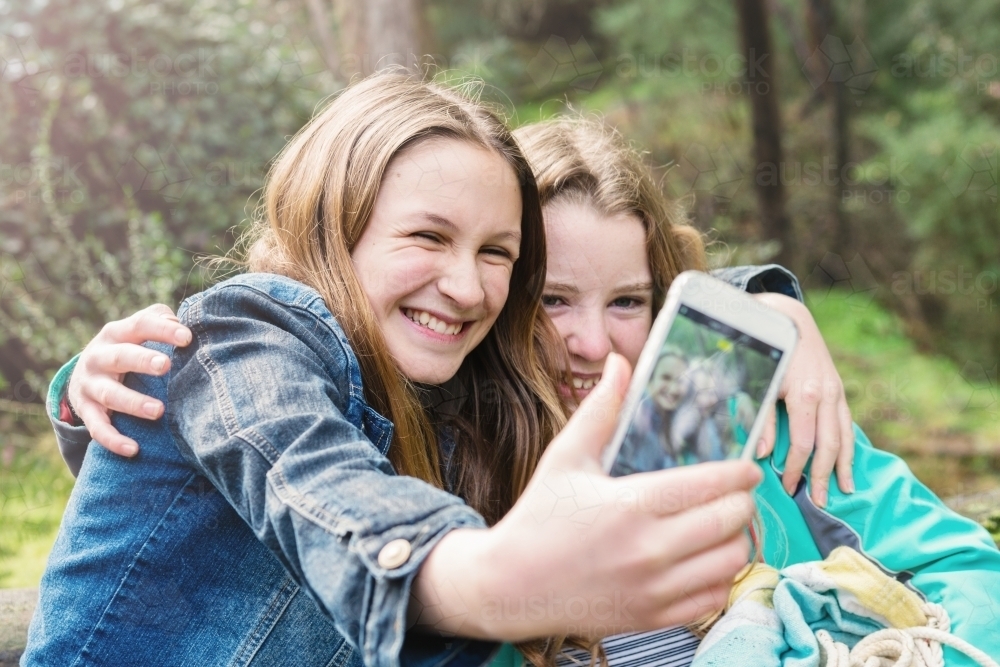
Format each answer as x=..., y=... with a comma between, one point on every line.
x=580, y=158
x=317, y=200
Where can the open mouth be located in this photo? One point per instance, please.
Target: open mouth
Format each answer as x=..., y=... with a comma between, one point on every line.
x=585, y=383
x=432, y=323
x=579, y=386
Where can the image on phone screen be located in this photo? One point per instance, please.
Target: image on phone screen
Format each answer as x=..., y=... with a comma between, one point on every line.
x=702, y=398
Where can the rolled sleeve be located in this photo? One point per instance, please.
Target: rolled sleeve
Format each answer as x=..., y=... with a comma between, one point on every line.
x=760, y=279
x=263, y=403
x=73, y=441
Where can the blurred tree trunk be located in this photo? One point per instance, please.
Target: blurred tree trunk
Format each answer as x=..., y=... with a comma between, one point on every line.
x=822, y=25
x=321, y=22
x=376, y=34
x=761, y=87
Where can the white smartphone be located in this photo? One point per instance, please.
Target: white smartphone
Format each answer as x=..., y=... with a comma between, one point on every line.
x=714, y=360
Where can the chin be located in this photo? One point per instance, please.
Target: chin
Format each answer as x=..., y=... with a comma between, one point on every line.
x=431, y=373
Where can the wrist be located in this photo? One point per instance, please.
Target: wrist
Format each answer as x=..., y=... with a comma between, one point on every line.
x=458, y=586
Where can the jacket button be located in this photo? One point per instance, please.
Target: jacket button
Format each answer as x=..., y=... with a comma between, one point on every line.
x=394, y=554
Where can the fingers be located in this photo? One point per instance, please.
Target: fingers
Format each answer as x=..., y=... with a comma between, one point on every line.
x=766, y=443
x=156, y=323
x=827, y=449
x=101, y=430
x=701, y=584
x=709, y=525
x=121, y=358
x=668, y=492
x=845, y=458
x=116, y=397
x=592, y=425
x=802, y=432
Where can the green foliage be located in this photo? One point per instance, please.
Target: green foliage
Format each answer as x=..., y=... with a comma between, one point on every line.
x=34, y=487
x=140, y=134
x=164, y=116
x=944, y=417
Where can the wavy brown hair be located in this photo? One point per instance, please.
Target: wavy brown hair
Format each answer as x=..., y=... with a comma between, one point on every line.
x=317, y=200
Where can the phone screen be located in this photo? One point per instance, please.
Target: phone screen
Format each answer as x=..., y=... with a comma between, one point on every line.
x=702, y=398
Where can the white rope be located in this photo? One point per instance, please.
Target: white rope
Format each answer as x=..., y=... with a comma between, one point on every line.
x=918, y=646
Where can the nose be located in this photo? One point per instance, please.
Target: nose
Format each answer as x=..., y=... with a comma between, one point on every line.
x=462, y=282
x=588, y=338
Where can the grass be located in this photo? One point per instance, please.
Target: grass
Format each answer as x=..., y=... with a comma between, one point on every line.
x=943, y=419
x=34, y=488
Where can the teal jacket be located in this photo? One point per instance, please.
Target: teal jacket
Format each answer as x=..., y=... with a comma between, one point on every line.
x=899, y=524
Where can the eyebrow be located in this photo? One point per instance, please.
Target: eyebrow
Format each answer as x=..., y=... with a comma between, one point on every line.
x=453, y=228
x=568, y=288
x=634, y=287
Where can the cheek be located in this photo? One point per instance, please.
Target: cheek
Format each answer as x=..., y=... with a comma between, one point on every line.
x=629, y=336
x=396, y=276
x=496, y=287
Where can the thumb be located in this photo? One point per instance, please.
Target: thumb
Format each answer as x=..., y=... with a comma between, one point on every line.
x=593, y=424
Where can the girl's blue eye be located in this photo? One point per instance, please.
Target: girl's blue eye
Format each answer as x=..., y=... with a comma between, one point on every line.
x=549, y=301
x=626, y=302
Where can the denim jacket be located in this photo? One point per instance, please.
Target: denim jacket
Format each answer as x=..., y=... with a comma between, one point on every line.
x=261, y=522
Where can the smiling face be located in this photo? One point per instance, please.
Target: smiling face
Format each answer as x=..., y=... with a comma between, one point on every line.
x=436, y=256
x=669, y=383
x=598, y=289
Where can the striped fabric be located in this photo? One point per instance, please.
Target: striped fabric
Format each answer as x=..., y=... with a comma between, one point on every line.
x=673, y=647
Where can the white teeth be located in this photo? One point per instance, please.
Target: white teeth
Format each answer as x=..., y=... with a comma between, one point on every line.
x=434, y=324
x=585, y=383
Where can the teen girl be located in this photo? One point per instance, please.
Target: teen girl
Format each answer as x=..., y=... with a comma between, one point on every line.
x=292, y=506
x=595, y=188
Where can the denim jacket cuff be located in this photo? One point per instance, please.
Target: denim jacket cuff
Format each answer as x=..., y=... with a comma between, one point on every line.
x=72, y=440
x=759, y=279
x=384, y=637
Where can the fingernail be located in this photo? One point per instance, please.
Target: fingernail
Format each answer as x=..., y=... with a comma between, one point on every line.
x=159, y=363
x=151, y=409
x=821, y=497
x=183, y=336
x=129, y=450
x=761, y=445
x=850, y=486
